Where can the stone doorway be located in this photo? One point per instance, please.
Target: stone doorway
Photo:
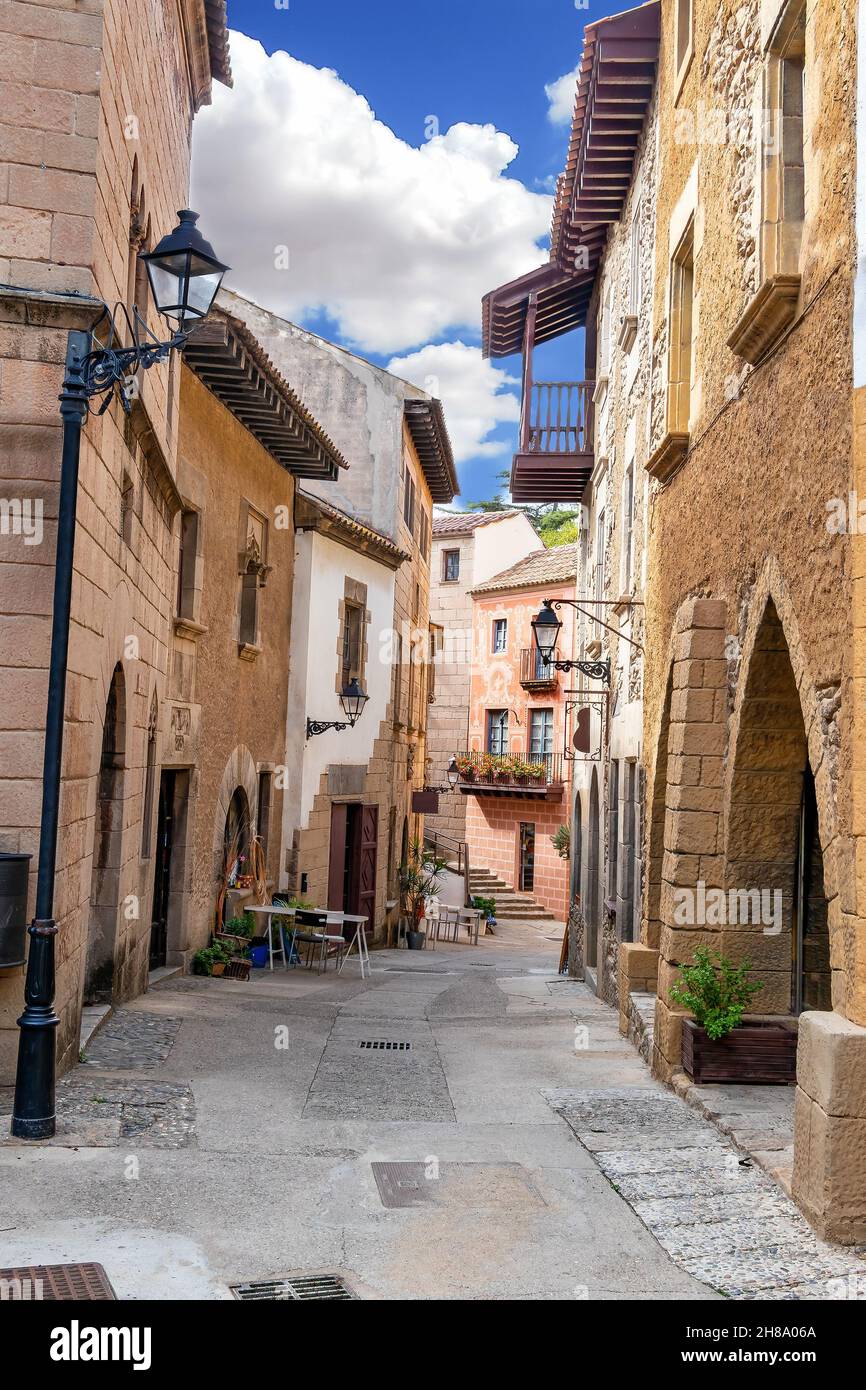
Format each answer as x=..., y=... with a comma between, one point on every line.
x=107, y=848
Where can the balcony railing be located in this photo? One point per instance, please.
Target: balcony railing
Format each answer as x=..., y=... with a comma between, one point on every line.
x=558, y=419
x=535, y=672
x=521, y=774
x=555, y=452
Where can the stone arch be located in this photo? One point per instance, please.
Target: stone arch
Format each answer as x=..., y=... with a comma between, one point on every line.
x=576, y=847
x=654, y=850
x=778, y=816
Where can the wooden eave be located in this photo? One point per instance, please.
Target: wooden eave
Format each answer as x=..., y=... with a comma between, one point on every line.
x=229, y=361
x=426, y=421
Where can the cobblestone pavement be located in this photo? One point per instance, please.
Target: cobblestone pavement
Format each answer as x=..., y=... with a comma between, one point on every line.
x=131, y=1041
x=103, y=1112
x=721, y=1218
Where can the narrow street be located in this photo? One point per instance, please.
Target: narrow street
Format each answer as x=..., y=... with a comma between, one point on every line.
x=202, y=1145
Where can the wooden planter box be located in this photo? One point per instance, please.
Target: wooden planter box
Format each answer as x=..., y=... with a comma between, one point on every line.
x=754, y=1052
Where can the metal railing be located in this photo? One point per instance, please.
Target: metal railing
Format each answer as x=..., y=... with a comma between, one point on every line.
x=557, y=418
x=511, y=769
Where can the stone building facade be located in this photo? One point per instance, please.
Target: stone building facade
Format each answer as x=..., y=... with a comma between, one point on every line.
x=468, y=549
x=370, y=534
x=751, y=702
x=97, y=104
x=218, y=766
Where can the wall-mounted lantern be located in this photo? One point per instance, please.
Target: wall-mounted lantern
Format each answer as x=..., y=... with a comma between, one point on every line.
x=352, y=699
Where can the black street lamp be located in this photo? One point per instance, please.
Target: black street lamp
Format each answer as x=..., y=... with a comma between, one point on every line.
x=546, y=628
x=92, y=370
x=453, y=775
x=353, y=700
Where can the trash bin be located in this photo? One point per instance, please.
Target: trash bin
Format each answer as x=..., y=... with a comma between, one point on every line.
x=14, y=869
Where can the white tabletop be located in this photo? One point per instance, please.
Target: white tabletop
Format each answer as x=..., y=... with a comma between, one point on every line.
x=275, y=909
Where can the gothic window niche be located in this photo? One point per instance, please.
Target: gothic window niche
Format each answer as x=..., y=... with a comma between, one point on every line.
x=253, y=571
x=354, y=620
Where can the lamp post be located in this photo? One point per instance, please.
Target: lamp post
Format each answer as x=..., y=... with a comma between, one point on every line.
x=546, y=627
x=453, y=775
x=353, y=700
x=184, y=277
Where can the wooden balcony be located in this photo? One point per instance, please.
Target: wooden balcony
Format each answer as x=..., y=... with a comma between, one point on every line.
x=535, y=672
x=555, y=454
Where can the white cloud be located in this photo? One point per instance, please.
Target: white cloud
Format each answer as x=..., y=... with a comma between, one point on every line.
x=474, y=392
x=561, y=95
x=396, y=243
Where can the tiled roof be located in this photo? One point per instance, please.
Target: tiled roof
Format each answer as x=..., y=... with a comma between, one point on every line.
x=311, y=511
x=542, y=567
x=462, y=523
x=218, y=40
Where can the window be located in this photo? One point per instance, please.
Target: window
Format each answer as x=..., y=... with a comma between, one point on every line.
x=500, y=634
x=784, y=198
x=604, y=334
x=635, y=293
x=681, y=348
x=450, y=566
x=408, y=498
x=497, y=731
x=599, y=571
x=353, y=636
x=263, y=811
x=683, y=36
x=186, y=585
x=437, y=642
x=423, y=533
x=540, y=734
x=398, y=679
x=627, y=527
x=127, y=508
x=254, y=571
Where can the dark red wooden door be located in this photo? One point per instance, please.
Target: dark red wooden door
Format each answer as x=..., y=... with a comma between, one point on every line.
x=337, y=858
x=369, y=852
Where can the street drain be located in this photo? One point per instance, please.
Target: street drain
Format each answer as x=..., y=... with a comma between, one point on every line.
x=381, y=1045
x=73, y=1282
x=300, y=1288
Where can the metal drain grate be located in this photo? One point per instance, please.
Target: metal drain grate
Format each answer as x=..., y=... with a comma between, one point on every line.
x=56, y=1283
x=300, y=1288
x=381, y=1045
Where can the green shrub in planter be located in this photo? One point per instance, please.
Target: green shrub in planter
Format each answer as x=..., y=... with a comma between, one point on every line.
x=486, y=906
x=715, y=990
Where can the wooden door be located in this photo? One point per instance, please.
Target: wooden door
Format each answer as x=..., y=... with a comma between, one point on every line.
x=369, y=850
x=337, y=859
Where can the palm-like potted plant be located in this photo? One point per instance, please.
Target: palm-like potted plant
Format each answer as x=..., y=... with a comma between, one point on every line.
x=419, y=881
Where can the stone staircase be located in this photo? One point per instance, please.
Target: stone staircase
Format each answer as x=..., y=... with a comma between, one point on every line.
x=510, y=905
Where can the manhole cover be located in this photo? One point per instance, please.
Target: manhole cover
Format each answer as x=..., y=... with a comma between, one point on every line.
x=54, y=1283
x=298, y=1288
x=382, y=1045
x=472, y=1186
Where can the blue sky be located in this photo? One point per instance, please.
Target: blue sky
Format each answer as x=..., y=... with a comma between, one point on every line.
x=472, y=62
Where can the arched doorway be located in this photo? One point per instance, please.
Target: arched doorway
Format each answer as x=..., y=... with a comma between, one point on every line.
x=592, y=873
x=777, y=911
x=107, y=857
x=656, y=838
x=576, y=847
x=236, y=838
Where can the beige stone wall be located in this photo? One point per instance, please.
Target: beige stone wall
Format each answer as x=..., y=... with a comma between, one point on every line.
x=226, y=713
x=70, y=81
x=750, y=670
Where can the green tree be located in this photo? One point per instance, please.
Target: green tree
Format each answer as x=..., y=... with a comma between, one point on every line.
x=555, y=525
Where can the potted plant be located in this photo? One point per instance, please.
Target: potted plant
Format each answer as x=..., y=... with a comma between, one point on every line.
x=419, y=880
x=535, y=772
x=717, y=1044
x=561, y=841
x=466, y=767
x=502, y=769
x=487, y=908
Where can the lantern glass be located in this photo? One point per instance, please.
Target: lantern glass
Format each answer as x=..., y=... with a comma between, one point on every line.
x=546, y=627
x=353, y=701
x=453, y=773
x=184, y=273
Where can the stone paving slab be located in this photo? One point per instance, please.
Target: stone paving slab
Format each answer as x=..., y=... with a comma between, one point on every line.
x=132, y=1040
x=100, y=1112
x=721, y=1218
